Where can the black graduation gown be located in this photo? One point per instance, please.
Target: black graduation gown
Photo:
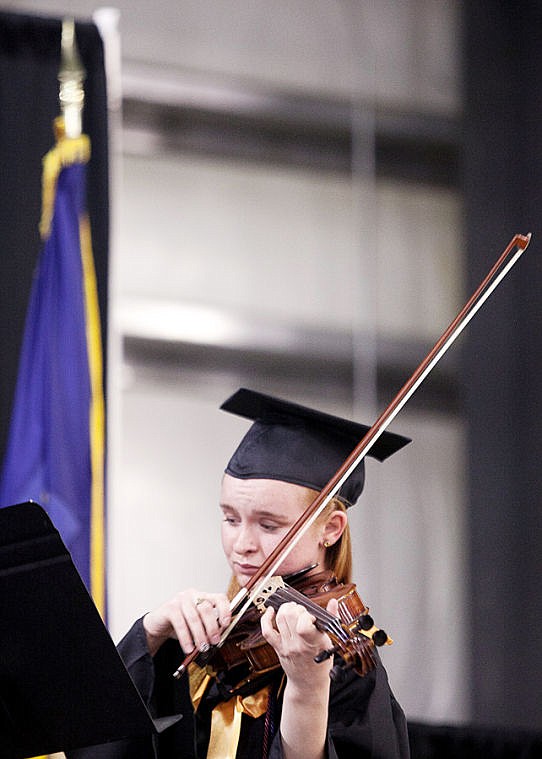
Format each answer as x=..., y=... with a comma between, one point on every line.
x=365, y=721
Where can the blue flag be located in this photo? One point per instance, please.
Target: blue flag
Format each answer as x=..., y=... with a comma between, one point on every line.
x=55, y=451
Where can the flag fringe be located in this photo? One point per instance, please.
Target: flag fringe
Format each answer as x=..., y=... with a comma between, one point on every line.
x=67, y=151
x=96, y=420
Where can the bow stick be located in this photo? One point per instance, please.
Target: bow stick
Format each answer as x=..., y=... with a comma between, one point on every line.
x=497, y=273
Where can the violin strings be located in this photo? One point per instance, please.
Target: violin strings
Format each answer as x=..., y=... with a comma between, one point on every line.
x=328, y=621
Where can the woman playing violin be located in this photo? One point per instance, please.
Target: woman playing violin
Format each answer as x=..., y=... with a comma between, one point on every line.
x=295, y=710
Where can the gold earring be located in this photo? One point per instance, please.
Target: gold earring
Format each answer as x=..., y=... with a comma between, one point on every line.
x=326, y=543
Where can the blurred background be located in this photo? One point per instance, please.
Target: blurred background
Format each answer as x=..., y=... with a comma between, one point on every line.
x=303, y=194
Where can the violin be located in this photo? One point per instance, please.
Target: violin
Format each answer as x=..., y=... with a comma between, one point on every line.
x=246, y=657
x=351, y=640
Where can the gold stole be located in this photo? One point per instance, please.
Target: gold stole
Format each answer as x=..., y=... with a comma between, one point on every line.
x=226, y=716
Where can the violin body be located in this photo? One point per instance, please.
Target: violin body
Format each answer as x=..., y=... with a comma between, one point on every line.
x=245, y=656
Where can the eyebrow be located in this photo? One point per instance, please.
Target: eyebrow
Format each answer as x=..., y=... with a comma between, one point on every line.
x=260, y=513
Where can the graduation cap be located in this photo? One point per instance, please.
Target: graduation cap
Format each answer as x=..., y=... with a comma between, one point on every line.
x=300, y=445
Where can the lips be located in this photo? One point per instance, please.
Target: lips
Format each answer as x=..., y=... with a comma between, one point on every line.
x=245, y=569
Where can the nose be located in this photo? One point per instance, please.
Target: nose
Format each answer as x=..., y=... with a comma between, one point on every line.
x=245, y=540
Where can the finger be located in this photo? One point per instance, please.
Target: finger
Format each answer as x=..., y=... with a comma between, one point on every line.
x=292, y=618
x=297, y=625
x=333, y=607
x=186, y=614
x=182, y=628
x=201, y=617
x=269, y=631
x=222, y=609
x=210, y=618
x=214, y=611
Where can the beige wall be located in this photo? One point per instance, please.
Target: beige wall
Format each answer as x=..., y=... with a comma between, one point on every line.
x=206, y=248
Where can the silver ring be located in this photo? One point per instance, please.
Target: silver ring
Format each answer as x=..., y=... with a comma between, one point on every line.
x=200, y=601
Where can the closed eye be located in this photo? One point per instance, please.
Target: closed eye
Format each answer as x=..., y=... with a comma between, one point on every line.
x=270, y=526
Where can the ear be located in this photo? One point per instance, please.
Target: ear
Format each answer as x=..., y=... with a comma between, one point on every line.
x=334, y=527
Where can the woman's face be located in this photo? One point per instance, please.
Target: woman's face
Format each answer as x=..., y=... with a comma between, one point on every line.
x=257, y=514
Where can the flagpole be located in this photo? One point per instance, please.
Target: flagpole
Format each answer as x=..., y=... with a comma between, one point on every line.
x=71, y=77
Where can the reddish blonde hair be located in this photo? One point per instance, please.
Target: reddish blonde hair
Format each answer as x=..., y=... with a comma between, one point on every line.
x=339, y=555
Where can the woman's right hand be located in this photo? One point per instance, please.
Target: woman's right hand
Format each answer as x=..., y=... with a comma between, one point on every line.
x=195, y=618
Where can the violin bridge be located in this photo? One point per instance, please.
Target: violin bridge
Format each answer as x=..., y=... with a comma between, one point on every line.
x=262, y=594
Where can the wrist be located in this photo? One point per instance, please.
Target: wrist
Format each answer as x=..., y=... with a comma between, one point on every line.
x=155, y=637
x=307, y=692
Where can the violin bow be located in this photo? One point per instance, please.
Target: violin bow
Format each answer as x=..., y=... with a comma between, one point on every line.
x=491, y=281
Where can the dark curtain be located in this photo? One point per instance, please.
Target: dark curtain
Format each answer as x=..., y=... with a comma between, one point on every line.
x=29, y=63
x=503, y=360
x=451, y=742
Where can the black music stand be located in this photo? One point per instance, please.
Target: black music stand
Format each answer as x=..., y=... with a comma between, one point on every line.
x=63, y=684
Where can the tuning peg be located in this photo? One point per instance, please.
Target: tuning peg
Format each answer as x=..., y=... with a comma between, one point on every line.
x=366, y=625
x=380, y=638
x=325, y=654
x=365, y=622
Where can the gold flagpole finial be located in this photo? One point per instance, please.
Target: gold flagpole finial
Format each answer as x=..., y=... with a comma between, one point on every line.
x=71, y=77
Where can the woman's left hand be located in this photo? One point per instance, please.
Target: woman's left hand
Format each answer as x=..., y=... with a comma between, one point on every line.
x=296, y=639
